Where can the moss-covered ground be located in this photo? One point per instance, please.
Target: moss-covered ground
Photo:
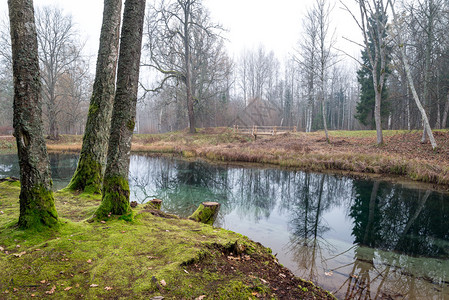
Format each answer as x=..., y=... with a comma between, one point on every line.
x=146, y=255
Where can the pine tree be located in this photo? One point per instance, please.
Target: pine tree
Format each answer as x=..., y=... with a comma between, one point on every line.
x=365, y=107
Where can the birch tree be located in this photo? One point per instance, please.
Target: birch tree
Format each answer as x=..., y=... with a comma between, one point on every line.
x=373, y=24
x=115, y=198
x=322, y=12
x=401, y=45
x=36, y=200
x=88, y=176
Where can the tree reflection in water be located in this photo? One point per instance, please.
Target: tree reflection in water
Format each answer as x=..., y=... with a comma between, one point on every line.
x=307, y=228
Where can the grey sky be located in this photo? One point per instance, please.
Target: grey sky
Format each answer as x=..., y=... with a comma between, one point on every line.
x=274, y=24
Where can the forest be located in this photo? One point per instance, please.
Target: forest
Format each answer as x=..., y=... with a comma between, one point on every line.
x=101, y=171
x=318, y=82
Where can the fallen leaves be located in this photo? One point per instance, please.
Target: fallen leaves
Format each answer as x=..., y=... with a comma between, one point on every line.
x=51, y=291
x=19, y=254
x=93, y=285
x=89, y=261
x=200, y=297
x=330, y=273
x=108, y=288
x=68, y=288
x=163, y=283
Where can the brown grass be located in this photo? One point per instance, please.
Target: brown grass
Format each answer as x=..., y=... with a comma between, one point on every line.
x=354, y=152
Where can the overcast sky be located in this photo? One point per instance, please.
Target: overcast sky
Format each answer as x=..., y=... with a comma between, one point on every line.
x=275, y=24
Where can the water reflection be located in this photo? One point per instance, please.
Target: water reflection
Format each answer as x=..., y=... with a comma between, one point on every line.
x=359, y=239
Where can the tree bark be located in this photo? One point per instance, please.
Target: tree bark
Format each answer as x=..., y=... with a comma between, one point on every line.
x=36, y=200
x=206, y=213
x=446, y=110
x=188, y=63
x=115, y=185
x=427, y=127
x=88, y=176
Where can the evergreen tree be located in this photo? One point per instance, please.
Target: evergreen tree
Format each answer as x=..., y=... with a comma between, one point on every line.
x=365, y=107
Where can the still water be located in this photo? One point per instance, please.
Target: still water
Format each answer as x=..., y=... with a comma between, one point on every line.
x=356, y=238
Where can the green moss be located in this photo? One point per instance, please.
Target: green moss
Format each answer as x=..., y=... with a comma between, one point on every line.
x=93, y=108
x=235, y=290
x=37, y=208
x=205, y=214
x=131, y=124
x=115, y=199
x=87, y=177
x=81, y=259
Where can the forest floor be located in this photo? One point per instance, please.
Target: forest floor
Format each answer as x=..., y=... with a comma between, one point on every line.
x=353, y=153
x=144, y=255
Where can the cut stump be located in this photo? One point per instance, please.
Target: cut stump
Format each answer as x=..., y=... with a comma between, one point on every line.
x=206, y=213
x=155, y=204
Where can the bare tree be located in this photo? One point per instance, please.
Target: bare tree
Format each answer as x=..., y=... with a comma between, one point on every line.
x=58, y=49
x=307, y=59
x=89, y=173
x=37, y=206
x=171, y=27
x=373, y=24
x=401, y=46
x=322, y=12
x=115, y=185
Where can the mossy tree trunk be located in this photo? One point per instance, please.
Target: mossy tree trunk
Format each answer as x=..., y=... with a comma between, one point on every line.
x=89, y=172
x=37, y=206
x=115, y=185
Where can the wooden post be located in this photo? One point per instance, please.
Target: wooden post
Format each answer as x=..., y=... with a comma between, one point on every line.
x=294, y=129
x=206, y=213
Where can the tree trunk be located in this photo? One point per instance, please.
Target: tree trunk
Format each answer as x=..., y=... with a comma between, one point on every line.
x=88, y=176
x=188, y=64
x=446, y=110
x=37, y=206
x=412, y=85
x=377, y=117
x=115, y=185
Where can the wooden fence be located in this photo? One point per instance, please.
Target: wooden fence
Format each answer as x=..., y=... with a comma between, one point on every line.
x=263, y=130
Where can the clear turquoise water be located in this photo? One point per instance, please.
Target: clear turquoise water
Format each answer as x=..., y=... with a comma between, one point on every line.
x=358, y=239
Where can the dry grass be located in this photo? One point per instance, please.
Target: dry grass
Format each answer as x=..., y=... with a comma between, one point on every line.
x=349, y=151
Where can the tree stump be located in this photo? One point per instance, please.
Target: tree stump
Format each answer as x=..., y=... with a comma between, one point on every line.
x=206, y=213
x=155, y=204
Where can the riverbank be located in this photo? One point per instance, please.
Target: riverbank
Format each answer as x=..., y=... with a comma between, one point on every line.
x=349, y=152
x=140, y=256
